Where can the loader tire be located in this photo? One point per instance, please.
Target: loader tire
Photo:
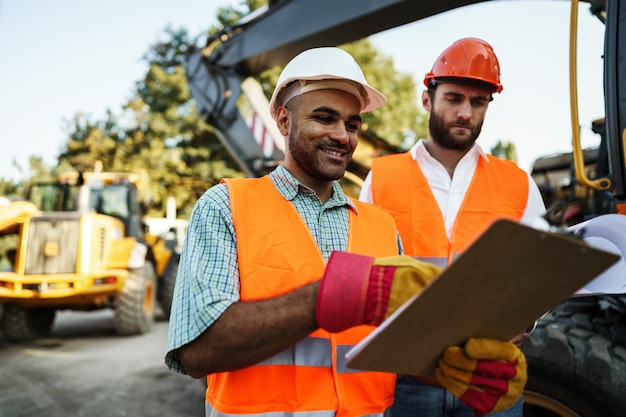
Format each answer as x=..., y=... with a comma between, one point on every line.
x=135, y=306
x=22, y=325
x=577, y=361
x=167, y=284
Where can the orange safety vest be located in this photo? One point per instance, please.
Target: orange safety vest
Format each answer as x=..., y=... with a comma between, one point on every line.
x=277, y=254
x=499, y=189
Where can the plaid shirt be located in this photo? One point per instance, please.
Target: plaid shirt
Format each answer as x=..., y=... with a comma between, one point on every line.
x=208, y=273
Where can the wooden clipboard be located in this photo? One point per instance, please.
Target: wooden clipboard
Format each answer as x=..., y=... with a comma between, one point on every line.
x=509, y=277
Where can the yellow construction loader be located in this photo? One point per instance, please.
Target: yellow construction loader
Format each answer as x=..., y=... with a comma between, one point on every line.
x=80, y=244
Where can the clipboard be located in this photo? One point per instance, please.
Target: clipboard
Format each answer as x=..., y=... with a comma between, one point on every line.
x=509, y=277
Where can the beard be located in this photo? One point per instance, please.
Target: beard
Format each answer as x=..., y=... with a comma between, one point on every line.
x=441, y=133
x=308, y=159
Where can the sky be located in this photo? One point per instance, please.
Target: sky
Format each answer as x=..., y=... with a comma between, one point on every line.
x=65, y=57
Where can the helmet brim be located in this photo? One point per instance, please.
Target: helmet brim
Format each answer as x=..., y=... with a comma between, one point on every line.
x=374, y=99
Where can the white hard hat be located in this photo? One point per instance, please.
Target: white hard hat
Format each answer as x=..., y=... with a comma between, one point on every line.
x=324, y=68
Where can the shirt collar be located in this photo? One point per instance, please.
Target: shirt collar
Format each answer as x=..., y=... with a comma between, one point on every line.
x=420, y=149
x=289, y=187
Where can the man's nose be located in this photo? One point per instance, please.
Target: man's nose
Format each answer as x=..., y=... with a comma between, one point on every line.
x=464, y=110
x=340, y=133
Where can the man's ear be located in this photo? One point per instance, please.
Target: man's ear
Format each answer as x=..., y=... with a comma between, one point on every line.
x=426, y=103
x=283, y=120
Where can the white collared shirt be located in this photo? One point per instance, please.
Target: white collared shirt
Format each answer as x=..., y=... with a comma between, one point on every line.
x=449, y=192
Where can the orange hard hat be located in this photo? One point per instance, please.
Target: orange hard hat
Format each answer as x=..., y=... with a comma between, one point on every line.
x=467, y=58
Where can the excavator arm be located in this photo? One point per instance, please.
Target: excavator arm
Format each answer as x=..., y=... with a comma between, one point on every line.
x=290, y=26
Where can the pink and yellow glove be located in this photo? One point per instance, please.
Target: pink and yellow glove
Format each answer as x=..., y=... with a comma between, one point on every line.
x=357, y=289
x=487, y=375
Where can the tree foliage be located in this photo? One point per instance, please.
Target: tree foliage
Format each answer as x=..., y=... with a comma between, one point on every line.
x=504, y=150
x=10, y=188
x=400, y=116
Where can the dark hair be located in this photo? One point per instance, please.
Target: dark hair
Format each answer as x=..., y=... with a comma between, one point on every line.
x=470, y=82
x=461, y=81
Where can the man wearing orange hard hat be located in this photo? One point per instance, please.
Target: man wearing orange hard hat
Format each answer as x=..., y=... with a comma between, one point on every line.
x=457, y=191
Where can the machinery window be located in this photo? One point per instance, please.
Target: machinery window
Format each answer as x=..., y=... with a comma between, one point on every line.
x=111, y=200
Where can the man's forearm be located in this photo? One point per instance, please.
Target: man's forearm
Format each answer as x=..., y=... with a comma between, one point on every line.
x=251, y=331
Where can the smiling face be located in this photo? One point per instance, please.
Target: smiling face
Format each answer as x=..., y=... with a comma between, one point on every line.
x=321, y=130
x=457, y=113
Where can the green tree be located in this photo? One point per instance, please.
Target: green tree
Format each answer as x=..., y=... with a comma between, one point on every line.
x=90, y=141
x=10, y=188
x=401, y=116
x=505, y=150
x=227, y=16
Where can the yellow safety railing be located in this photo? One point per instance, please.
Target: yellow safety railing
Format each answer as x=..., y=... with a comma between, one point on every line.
x=579, y=161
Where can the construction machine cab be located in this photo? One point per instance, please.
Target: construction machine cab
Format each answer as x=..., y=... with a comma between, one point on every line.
x=111, y=194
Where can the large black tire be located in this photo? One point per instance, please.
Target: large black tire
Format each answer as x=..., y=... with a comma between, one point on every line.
x=167, y=284
x=135, y=306
x=577, y=360
x=22, y=325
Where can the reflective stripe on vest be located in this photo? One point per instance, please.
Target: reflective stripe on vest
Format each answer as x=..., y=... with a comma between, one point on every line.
x=440, y=262
x=499, y=189
x=212, y=412
x=313, y=351
x=277, y=254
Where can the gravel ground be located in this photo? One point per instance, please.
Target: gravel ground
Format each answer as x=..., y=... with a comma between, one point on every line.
x=85, y=369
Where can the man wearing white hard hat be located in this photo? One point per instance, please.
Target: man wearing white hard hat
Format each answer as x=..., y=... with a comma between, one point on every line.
x=281, y=275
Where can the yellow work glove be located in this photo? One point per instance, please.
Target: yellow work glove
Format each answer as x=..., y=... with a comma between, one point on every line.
x=488, y=375
x=357, y=289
